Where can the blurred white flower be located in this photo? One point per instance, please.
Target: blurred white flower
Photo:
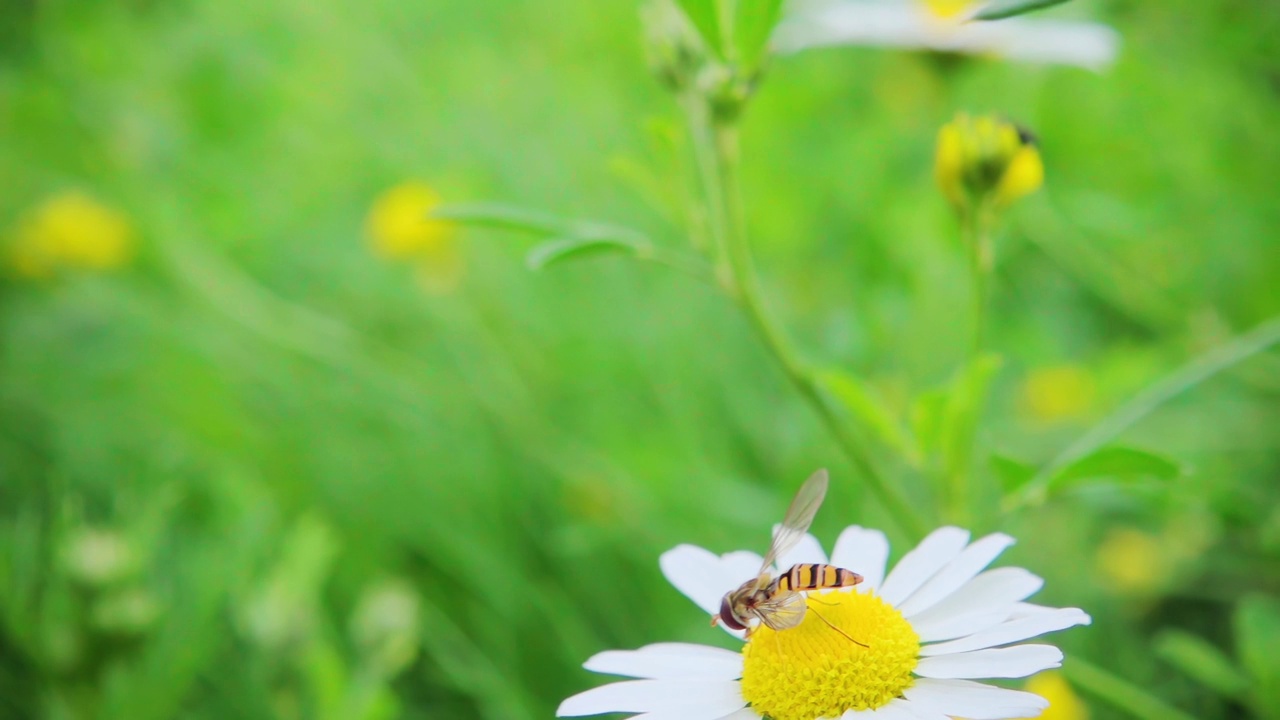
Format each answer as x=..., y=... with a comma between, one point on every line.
x=944, y=26
x=385, y=625
x=99, y=557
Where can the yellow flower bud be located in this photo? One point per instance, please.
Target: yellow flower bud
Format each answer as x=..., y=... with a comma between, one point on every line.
x=70, y=231
x=986, y=161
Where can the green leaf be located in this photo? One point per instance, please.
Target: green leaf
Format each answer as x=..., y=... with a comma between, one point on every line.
x=1009, y=8
x=868, y=410
x=1201, y=661
x=1257, y=631
x=1118, y=463
x=753, y=27
x=705, y=16
x=575, y=248
x=1012, y=474
x=506, y=217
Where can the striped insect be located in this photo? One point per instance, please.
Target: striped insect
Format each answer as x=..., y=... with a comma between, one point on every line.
x=779, y=603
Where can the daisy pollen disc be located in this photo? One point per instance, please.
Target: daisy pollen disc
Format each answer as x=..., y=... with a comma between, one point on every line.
x=812, y=671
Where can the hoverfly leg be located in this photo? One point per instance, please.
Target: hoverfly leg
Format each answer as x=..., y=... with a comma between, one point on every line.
x=833, y=627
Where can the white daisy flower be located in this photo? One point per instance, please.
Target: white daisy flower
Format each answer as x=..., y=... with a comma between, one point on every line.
x=942, y=25
x=921, y=636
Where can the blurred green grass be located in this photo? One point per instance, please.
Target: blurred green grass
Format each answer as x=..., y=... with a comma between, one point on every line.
x=521, y=449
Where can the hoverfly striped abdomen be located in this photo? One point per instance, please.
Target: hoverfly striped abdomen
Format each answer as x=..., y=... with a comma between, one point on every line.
x=815, y=576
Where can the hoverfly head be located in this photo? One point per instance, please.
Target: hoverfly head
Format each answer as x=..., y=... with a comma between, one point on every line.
x=726, y=614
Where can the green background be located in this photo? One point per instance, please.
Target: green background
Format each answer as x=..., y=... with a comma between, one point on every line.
x=265, y=415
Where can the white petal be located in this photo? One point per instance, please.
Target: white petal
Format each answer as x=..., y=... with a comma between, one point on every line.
x=669, y=661
x=705, y=577
x=972, y=561
x=745, y=713
x=916, y=711
x=1021, y=610
x=864, y=552
x=1089, y=45
x=975, y=701
x=709, y=698
x=1014, y=662
x=916, y=567
x=696, y=573
x=986, y=600
x=807, y=550
x=1011, y=631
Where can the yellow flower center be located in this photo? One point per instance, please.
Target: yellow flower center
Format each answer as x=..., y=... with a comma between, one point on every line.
x=947, y=9
x=813, y=671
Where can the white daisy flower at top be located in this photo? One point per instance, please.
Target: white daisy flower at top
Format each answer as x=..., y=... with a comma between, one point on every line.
x=943, y=25
x=906, y=646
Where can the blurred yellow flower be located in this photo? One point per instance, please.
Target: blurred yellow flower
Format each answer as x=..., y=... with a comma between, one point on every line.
x=1133, y=562
x=1054, y=394
x=399, y=224
x=986, y=161
x=399, y=227
x=71, y=231
x=1064, y=704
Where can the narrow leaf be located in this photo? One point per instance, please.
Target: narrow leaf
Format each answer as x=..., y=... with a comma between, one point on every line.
x=1010, y=8
x=555, y=251
x=706, y=18
x=1257, y=630
x=1118, y=463
x=505, y=217
x=756, y=20
x=1012, y=474
x=1202, y=662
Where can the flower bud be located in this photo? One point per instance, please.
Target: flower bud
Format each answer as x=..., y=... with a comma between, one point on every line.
x=986, y=162
x=675, y=50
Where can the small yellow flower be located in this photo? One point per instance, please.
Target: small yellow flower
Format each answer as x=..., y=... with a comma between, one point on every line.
x=985, y=161
x=1055, y=394
x=1064, y=704
x=71, y=231
x=1133, y=562
x=399, y=224
x=399, y=227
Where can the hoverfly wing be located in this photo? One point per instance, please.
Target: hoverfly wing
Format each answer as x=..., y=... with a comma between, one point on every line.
x=798, y=518
x=783, y=612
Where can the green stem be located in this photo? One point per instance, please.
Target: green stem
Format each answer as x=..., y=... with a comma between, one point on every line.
x=1120, y=693
x=699, y=118
x=957, y=478
x=725, y=154
x=1197, y=371
x=976, y=229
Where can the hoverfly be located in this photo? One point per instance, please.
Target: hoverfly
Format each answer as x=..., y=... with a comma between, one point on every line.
x=779, y=603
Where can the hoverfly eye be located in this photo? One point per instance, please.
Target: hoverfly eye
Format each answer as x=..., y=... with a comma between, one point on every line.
x=727, y=616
